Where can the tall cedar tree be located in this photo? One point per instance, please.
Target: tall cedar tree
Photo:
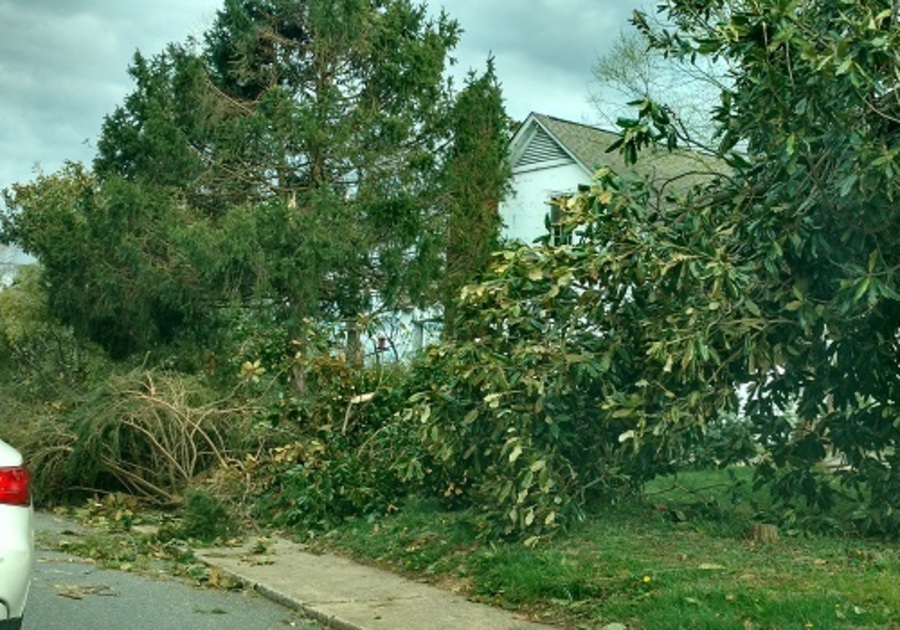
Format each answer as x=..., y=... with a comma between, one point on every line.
x=476, y=179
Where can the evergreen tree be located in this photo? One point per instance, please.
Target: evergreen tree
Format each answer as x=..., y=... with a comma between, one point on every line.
x=293, y=158
x=476, y=177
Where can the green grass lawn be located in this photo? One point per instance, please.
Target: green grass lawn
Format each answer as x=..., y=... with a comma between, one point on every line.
x=679, y=559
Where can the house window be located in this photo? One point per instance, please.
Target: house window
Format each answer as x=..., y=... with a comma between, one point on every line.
x=560, y=233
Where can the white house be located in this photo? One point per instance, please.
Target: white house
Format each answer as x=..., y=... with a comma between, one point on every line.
x=551, y=156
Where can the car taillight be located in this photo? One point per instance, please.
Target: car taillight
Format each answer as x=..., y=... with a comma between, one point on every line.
x=15, y=488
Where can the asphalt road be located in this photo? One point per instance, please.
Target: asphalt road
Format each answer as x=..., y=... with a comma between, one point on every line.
x=69, y=593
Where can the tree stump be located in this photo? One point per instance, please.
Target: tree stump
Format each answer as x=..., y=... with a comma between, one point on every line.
x=763, y=533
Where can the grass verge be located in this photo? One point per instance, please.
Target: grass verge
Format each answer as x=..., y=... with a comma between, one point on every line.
x=681, y=559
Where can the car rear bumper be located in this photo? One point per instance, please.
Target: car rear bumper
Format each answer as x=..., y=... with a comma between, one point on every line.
x=11, y=624
x=16, y=562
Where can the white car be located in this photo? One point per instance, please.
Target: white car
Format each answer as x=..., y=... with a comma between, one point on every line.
x=16, y=537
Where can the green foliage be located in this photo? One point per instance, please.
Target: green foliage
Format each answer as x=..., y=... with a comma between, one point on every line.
x=110, y=259
x=476, y=178
x=570, y=386
x=319, y=124
x=205, y=517
x=808, y=125
x=23, y=312
x=293, y=161
x=153, y=136
x=727, y=440
x=344, y=444
x=329, y=480
x=44, y=374
x=40, y=360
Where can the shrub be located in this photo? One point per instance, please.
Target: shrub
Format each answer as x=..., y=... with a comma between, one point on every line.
x=205, y=517
x=565, y=386
x=347, y=447
x=148, y=433
x=530, y=414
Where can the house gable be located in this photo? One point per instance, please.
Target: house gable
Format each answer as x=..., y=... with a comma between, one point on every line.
x=587, y=145
x=551, y=157
x=538, y=149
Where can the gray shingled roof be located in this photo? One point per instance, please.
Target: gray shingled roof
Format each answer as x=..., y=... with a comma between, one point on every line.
x=588, y=146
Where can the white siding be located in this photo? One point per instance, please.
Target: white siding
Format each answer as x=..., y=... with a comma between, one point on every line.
x=401, y=335
x=523, y=213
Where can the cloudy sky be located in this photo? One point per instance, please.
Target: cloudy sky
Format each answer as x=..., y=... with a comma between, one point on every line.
x=63, y=62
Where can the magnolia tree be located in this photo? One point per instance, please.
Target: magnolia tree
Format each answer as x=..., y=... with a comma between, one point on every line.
x=596, y=365
x=810, y=126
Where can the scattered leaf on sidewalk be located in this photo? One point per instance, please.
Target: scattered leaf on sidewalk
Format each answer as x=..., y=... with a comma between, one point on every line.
x=225, y=581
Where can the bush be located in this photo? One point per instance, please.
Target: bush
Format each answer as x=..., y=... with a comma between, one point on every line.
x=532, y=414
x=347, y=449
x=566, y=388
x=147, y=433
x=205, y=517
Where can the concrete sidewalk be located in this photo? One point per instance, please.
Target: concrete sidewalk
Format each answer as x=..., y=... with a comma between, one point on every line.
x=350, y=596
